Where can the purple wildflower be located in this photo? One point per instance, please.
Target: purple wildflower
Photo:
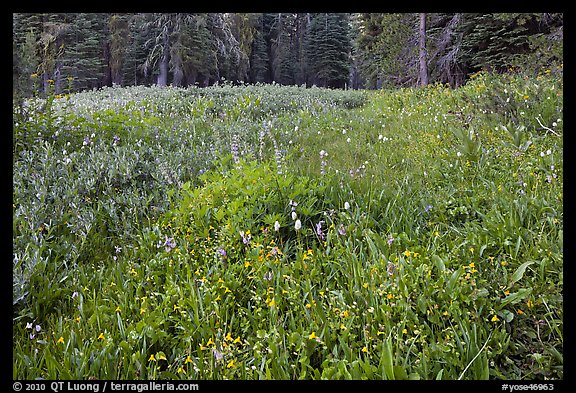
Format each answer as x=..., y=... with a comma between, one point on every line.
x=390, y=240
x=222, y=251
x=268, y=276
x=342, y=230
x=169, y=243
x=217, y=354
x=319, y=231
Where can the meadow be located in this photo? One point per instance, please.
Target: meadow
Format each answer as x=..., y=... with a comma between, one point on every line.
x=282, y=232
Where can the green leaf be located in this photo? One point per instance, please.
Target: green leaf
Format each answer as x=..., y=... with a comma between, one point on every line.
x=439, y=263
x=386, y=359
x=516, y=297
x=519, y=273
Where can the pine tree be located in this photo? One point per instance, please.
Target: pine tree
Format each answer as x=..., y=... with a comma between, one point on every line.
x=259, y=60
x=328, y=49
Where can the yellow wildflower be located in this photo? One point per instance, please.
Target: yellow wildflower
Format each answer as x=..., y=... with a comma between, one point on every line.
x=101, y=337
x=152, y=358
x=60, y=340
x=495, y=318
x=365, y=349
x=231, y=364
x=188, y=359
x=313, y=336
x=210, y=342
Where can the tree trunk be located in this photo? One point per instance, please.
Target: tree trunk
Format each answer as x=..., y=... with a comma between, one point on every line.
x=422, y=50
x=163, y=75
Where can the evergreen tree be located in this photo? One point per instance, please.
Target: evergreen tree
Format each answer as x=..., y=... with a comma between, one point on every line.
x=259, y=60
x=328, y=50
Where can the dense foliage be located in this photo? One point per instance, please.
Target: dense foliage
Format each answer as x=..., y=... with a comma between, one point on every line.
x=79, y=51
x=281, y=232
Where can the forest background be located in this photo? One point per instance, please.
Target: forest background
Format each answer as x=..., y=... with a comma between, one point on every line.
x=69, y=52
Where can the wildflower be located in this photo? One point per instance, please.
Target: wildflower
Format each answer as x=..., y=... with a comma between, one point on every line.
x=313, y=336
x=407, y=253
x=294, y=215
x=101, y=337
x=60, y=340
x=188, y=359
x=231, y=364
x=293, y=204
x=217, y=354
x=118, y=309
x=237, y=340
x=427, y=208
x=276, y=226
x=346, y=205
x=246, y=237
x=390, y=296
x=168, y=243
x=319, y=231
x=495, y=318
x=38, y=328
x=390, y=268
x=390, y=240
x=74, y=294
x=210, y=342
x=181, y=370
x=297, y=225
x=365, y=349
x=342, y=230
x=152, y=358
x=221, y=251
x=28, y=325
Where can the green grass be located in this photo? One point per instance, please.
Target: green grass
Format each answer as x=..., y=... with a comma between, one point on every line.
x=154, y=238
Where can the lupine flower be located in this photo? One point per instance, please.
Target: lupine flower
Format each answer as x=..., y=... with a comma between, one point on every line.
x=217, y=354
x=319, y=231
x=169, y=243
x=427, y=209
x=293, y=205
x=222, y=251
x=390, y=240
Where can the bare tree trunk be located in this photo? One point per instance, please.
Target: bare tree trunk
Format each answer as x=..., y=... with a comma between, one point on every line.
x=422, y=50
